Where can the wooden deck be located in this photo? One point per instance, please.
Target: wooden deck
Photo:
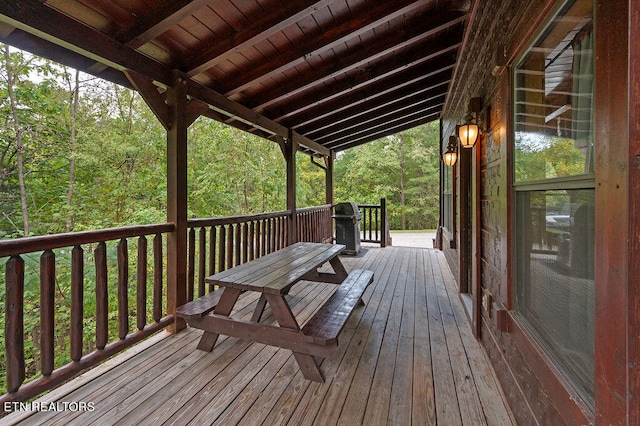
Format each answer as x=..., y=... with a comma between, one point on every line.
x=407, y=358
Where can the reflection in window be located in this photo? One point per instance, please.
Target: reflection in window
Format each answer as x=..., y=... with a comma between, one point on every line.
x=554, y=184
x=554, y=98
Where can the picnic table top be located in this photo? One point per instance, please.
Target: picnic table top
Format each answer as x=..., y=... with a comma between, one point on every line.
x=276, y=272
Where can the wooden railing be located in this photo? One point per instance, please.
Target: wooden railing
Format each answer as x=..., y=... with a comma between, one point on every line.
x=217, y=244
x=47, y=274
x=374, y=225
x=314, y=224
x=63, y=282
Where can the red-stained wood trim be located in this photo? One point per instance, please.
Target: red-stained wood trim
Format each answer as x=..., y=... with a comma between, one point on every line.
x=613, y=306
x=633, y=410
x=123, y=288
x=47, y=310
x=141, y=281
x=158, y=270
x=14, y=322
x=102, y=296
x=77, y=302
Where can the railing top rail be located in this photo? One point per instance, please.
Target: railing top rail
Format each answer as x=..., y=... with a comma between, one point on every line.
x=369, y=206
x=314, y=208
x=215, y=221
x=50, y=242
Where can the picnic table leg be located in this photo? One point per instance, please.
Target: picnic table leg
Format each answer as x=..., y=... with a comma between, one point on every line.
x=257, y=314
x=338, y=268
x=286, y=319
x=225, y=306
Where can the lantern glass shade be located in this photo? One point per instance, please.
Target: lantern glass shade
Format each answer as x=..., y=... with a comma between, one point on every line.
x=450, y=158
x=468, y=132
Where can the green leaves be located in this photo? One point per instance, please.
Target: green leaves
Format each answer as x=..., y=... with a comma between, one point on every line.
x=404, y=168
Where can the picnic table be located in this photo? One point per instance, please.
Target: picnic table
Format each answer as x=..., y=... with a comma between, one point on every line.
x=273, y=276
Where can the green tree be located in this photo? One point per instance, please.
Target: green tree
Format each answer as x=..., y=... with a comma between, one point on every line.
x=403, y=168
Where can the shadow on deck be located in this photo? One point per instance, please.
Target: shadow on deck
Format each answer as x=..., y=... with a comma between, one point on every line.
x=407, y=358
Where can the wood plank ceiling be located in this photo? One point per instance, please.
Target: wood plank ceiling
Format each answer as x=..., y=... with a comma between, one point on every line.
x=338, y=73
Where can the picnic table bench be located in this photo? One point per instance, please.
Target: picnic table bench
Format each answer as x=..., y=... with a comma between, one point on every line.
x=273, y=276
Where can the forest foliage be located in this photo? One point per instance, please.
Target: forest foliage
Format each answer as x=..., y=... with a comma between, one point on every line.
x=78, y=153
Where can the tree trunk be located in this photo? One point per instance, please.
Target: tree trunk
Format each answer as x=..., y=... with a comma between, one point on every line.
x=11, y=81
x=73, y=108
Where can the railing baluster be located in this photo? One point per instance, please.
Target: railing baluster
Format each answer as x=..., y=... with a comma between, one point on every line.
x=123, y=291
x=191, y=269
x=77, y=302
x=202, y=260
x=212, y=251
x=238, y=245
x=230, y=247
x=245, y=242
x=257, y=241
x=157, y=277
x=265, y=237
x=102, y=297
x=14, y=322
x=47, y=310
x=141, y=293
x=252, y=240
x=222, y=246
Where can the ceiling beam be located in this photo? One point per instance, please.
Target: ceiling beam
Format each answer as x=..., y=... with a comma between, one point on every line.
x=260, y=29
x=380, y=124
x=387, y=132
x=346, y=93
x=375, y=16
x=162, y=17
x=420, y=89
x=389, y=111
x=370, y=61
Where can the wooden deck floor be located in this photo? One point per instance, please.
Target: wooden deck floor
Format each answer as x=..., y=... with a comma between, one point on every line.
x=407, y=358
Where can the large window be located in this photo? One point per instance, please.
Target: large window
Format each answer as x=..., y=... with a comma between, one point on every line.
x=554, y=187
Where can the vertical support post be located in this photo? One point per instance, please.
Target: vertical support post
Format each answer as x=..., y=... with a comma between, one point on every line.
x=329, y=183
x=330, y=192
x=177, y=198
x=384, y=238
x=290, y=150
x=617, y=300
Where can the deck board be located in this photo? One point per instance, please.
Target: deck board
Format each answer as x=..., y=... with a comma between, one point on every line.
x=408, y=357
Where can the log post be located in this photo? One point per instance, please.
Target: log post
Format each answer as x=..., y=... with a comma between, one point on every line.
x=290, y=151
x=177, y=198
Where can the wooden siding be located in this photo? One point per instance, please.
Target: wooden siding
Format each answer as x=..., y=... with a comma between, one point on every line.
x=535, y=389
x=407, y=357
